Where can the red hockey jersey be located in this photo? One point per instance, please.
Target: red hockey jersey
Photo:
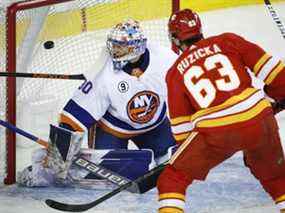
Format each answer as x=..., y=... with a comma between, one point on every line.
x=209, y=87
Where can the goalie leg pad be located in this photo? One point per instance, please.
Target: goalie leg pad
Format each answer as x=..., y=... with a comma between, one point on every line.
x=127, y=163
x=63, y=146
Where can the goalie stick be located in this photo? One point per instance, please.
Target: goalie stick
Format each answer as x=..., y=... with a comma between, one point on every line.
x=23, y=133
x=84, y=207
x=43, y=75
x=94, y=69
x=81, y=162
x=275, y=17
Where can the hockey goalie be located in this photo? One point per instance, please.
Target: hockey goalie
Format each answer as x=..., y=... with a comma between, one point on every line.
x=127, y=101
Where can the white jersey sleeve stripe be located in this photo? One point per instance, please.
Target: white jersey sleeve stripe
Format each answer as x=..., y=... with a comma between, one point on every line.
x=182, y=128
x=267, y=68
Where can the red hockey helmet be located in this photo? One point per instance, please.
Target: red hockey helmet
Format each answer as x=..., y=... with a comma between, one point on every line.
x=183, y=25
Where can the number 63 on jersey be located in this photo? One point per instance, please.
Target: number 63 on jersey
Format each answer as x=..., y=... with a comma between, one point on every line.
x=204, y=90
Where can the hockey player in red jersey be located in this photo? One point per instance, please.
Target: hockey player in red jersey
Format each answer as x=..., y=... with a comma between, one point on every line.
x=215, y=111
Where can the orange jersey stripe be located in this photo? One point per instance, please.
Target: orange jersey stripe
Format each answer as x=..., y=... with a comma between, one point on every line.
x=114, y=132
x=65, y=119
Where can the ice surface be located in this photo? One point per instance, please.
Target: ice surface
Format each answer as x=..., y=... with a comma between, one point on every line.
x=230, y=188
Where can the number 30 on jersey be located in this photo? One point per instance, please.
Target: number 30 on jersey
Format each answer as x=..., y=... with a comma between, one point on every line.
x=86, y=86
x=204, y=90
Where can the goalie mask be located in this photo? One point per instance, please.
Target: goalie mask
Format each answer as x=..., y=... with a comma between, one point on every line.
x=126, y=42
x=183, y=25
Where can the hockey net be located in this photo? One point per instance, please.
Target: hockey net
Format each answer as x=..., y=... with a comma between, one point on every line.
x=77, y=28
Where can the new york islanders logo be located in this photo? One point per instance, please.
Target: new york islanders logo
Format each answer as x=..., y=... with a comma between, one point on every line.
x=142, y=106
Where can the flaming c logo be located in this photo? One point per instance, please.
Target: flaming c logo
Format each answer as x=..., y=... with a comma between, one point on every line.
x=142, y=106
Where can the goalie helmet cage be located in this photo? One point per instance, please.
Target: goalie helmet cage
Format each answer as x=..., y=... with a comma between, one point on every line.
x=61, y=37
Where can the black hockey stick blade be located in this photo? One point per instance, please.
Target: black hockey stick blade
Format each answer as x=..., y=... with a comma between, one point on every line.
x=84, y=207
x=68, y=207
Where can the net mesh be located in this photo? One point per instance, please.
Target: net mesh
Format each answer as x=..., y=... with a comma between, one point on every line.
x=2, y=94
x=77, y=30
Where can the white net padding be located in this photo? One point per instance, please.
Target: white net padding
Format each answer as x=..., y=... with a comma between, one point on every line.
x=78, y=30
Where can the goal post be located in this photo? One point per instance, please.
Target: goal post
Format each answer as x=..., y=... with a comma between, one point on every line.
x=11, y=57
x=57, y=37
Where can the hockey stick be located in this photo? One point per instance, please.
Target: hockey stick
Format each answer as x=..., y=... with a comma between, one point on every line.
x=91, y=167
x=275, y=17
x=23, y=133
x=96, y=67
x=83, y=207
x=43, y=75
